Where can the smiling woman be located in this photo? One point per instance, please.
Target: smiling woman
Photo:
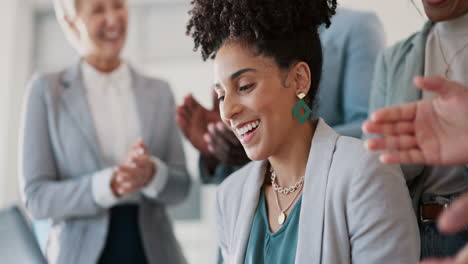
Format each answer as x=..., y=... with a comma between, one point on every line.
x=100, y=150
x=310, y=196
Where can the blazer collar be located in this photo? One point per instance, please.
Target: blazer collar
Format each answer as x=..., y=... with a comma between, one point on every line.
x=76, y=104
x=309, y=244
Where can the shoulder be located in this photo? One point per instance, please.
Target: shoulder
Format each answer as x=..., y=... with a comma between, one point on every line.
x=397, y=52
x=352, y=26
x=354, y=167
x=353, y=20
x=354, y=16
x=46, y=84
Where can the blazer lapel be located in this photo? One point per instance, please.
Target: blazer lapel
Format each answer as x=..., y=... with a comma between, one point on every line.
x=145, y=100
x=309, y=244
x=414, y=67
x=247, y=209
x=76, y=104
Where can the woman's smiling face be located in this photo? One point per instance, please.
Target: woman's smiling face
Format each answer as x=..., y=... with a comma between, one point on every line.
x=256, y=99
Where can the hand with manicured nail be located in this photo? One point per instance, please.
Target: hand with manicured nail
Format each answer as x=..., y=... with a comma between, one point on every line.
x=135, y=173
x=432, y=131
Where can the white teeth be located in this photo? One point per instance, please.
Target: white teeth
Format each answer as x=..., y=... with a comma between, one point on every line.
x=247, y=128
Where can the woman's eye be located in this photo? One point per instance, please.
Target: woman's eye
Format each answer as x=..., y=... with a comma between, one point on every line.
x=220, y=99
x=246, y=87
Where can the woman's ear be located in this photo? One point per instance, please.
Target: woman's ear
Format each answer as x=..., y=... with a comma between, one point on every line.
x=301, y=73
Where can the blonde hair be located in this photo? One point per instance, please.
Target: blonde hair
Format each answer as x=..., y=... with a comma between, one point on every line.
x=66, y=11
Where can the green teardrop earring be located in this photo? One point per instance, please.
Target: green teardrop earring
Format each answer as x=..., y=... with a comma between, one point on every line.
x=301, y=103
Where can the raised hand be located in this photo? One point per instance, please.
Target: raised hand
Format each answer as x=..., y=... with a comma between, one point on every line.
x=135, y=172
x=193, y=119
x=433, y=131
x=224, y=145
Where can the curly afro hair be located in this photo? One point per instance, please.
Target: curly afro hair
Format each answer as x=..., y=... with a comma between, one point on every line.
x=286, y=30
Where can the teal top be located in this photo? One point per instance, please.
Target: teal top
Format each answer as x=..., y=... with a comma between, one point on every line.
x=267, y=247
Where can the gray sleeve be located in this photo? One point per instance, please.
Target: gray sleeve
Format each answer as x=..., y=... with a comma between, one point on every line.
x=44, y=192
x=366, y=41
x=382, y=224
x=177, y=185
x=221, y=230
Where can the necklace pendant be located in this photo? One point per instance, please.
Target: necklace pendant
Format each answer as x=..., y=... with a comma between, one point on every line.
x=447, y=71
x=281, y=218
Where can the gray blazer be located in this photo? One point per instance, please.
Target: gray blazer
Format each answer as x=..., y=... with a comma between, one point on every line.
x=354, y=209
x=59, y=153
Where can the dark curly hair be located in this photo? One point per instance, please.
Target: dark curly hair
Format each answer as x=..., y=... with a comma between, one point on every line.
x=286, y=30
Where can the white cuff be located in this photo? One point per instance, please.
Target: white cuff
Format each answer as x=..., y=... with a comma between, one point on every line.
x=102, y=191
x=159, y=181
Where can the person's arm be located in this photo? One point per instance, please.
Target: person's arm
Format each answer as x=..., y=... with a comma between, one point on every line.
x=44, y=192
x=365, y=43
x=382, y=224
x=171, y=182
x=216, y=174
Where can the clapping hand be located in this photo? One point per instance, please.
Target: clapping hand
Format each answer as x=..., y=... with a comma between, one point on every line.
x=135, y=172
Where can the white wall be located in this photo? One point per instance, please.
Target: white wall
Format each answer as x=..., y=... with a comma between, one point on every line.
x=15, y=54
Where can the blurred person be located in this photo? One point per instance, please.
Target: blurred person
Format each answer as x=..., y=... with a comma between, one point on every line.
x=311, y=195
x=439, y=49
x=431, y=131
x=350, y=48
x=101, y=154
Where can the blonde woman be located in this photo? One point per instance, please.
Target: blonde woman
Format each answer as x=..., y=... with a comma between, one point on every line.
x=101, y=151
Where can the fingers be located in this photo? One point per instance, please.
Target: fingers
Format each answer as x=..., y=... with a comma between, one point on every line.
x=373, y=127
x=221, y=130
x=438, y=85
x=136, y=174
x=455, y=217
x=397, y=113
x=125, y=184
x=182, y=119
x=412, y=156
x=400, y=142
x=217, y=142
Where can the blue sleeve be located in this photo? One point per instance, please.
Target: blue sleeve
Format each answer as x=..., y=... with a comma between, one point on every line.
x=366, y=41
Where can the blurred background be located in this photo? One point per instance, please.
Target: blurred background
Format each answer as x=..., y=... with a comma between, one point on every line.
x=32, y=41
